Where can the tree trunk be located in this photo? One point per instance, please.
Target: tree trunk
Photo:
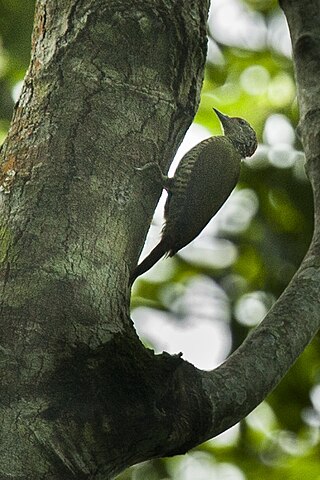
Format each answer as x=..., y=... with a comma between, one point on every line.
x=114, y=85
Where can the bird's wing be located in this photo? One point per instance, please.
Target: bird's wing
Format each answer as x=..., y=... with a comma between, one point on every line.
x=203, y=181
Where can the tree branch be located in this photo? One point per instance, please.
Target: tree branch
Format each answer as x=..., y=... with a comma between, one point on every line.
x=245, y=379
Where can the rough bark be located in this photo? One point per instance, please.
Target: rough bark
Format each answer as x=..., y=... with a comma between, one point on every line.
x=113, y=85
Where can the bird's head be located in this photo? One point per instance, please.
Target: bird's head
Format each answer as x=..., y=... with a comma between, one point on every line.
x=240, y=133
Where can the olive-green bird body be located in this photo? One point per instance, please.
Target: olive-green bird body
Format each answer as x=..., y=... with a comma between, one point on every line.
x=203, y=181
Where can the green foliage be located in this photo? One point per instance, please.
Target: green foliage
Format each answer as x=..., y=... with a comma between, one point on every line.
x=263, y=239
x=16, y=18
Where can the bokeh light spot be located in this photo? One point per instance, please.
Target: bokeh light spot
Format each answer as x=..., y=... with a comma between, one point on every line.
x=254, y=80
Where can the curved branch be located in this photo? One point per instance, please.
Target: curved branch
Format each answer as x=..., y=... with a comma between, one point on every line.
x=244, y=380
x=236, y=387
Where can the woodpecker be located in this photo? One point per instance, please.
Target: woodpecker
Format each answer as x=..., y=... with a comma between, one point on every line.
x=204, y=179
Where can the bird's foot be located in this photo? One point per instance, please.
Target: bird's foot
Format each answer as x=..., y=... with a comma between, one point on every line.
x=164, y=180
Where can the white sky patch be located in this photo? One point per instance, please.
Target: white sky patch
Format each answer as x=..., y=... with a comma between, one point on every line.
x=198, y=325
x=16, y=91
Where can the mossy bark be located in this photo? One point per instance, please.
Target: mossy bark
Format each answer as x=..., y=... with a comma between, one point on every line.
x=111, y=85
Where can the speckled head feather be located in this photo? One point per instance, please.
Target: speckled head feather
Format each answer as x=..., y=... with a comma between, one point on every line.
x=240, y=133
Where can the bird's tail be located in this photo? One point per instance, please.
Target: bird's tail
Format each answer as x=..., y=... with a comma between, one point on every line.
x=159, y=251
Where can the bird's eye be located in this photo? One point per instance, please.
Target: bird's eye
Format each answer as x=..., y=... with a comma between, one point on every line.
x=241, y=121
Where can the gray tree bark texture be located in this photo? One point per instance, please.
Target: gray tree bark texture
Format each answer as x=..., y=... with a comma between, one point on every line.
x=114, y=85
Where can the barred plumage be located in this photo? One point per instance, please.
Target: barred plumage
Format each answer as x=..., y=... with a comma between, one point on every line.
x=203, y=181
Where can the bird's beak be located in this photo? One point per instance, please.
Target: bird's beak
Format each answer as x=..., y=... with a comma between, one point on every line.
x=222, y=118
